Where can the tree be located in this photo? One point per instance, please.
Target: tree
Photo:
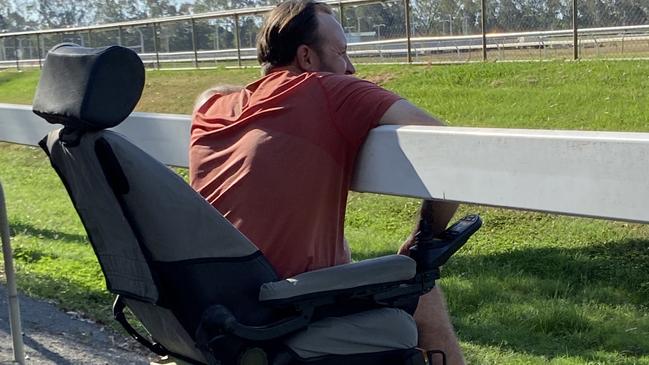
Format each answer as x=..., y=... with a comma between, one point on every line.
x=110, y=11
x=63, y=13
x=446, y=17
x=203, y=6
x=159, y=8
x=12, y=19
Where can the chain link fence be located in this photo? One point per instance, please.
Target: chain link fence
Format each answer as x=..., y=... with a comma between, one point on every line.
x=424, y=31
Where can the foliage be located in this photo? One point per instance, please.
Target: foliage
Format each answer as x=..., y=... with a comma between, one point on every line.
x=375, y=20
x=442, y=16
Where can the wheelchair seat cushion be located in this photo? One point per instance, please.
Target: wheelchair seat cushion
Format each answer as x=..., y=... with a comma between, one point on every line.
x=378, y=330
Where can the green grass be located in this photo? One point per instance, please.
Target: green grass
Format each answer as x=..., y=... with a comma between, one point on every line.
x=553, y=95
x=52, y=256
x=529, y=288
x=18, y=87
x=589, y=95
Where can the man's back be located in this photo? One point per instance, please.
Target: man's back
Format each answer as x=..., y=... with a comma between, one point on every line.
x=276, y=159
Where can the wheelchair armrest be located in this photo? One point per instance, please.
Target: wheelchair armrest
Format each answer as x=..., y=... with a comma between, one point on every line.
x=333, y=280
x=217, y=321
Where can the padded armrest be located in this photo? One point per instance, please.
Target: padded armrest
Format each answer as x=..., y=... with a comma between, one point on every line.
x=381, y=270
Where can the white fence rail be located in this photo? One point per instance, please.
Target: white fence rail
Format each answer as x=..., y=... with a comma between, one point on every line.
x=594, y=174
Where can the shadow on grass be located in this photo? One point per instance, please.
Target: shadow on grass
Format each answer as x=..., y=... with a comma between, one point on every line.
x=30, y=230
x=585, y=302
x=554, y=302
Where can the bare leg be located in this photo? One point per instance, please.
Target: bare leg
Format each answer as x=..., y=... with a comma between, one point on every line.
x=435, y=328
x=433, y=323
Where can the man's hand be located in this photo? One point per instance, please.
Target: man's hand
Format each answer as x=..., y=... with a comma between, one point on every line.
x=217, y=89
x=405, y=246
x=437, y=213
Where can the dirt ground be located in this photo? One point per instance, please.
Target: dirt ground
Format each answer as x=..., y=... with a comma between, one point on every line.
x=55, y=337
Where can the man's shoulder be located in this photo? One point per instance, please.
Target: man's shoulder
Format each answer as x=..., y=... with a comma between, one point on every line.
x=288, y=77
x=335, y=77
x=336, y=82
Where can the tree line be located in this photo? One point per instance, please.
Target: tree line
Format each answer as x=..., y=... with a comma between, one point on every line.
x=378, y=20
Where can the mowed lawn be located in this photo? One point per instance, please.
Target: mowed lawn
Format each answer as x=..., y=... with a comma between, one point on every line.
x=529, y=288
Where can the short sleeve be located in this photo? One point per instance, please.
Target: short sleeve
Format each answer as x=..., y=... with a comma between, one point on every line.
x=356, y=105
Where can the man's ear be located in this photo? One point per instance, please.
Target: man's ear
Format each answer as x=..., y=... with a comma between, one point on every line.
x=307, y=59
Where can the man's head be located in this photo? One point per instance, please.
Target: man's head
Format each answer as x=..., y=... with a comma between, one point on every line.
x=304, y=34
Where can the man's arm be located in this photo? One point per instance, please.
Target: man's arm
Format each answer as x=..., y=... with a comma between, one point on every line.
x=433, y=321
x=437, y=212
x=402, y=112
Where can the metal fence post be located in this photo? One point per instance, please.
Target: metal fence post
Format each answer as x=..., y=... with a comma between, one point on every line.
x=89, y=38
x=575, y=36
x=483, y=21
x=16, y=53
x=406, y=4
x=194, y=43
x=12, y=292
x=237, y=38
x=155, y=46
x=341, y=12
x=119, y=35
x=38, y=49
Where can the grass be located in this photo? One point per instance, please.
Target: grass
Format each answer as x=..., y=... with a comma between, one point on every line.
x=529, y=288
x=18, y=87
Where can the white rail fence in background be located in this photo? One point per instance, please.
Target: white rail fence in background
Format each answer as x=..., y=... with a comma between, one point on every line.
x=543, y=41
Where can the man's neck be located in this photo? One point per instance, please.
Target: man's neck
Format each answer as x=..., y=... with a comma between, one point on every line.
x=290, y=68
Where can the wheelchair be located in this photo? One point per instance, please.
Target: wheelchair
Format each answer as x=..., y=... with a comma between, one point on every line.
x=204, y=293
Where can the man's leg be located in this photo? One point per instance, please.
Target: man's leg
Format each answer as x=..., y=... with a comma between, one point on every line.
x=433, y=323
x=435, y=328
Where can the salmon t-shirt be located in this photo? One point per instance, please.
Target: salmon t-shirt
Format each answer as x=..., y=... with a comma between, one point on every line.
x=276, y=159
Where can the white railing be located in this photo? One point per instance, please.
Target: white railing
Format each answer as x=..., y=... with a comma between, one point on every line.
x=593, y=174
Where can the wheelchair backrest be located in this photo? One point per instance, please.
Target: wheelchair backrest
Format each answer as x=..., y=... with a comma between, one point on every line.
x=159, y=243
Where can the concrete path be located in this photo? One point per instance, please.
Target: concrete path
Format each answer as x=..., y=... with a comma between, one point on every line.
x=54, y=337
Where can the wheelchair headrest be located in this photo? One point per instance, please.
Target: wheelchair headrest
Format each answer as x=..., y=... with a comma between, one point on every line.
x=89, y=88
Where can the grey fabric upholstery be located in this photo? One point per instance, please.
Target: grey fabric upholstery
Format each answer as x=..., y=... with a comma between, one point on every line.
x=114, y=242
x=171, y=215
x=371, y=331
x=162, y=322
x=175, y=221
x=380, y=270
x=89, y=88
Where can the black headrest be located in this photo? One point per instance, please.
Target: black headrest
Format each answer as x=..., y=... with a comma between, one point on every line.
x=89, y=88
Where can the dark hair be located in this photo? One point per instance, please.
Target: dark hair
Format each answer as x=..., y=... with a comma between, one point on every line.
x=291, y=24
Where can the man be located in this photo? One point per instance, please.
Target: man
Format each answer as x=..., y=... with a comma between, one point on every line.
x=276, y=157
